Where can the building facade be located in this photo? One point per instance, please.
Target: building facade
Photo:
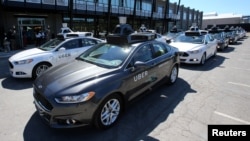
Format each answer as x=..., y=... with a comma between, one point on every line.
x=26, y=17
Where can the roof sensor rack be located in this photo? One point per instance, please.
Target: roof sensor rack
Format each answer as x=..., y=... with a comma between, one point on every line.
x=129, y=39
x=214, y=29
x=123, y=35
x=192, y=33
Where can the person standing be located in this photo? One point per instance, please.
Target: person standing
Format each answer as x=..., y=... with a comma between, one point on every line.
x=6, y=43
x=10, y=38
x=38, y=38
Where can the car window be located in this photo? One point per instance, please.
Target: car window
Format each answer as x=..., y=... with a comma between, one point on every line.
x=144, y=54
x=71, y=44
x=106, y=55
x=210, y=37
x=88, y=42
x=159, y=49
x=66, y=31
x=51, y=44
x=190, y=39
x=207, y=39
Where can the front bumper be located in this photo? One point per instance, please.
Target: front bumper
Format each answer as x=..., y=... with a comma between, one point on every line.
x=20, y=71
x=190, y=58
x=64, y=115
x=221, y=45
x=232, y=40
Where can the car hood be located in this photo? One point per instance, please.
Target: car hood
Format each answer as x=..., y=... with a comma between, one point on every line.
x=182, y=47
x=71, y=78
x=27, y=54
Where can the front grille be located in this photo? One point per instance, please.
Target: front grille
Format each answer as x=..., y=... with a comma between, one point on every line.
x=11, y=66
x=184, y=54
x=44, y=102
x=182, y=60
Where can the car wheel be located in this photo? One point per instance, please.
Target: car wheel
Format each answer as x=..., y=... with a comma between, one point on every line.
x=108, y=112
x=39, y=69
x=203, y=59
x=173, y=75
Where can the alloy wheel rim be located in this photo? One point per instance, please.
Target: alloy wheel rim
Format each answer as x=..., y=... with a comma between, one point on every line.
x=41, y=69
x=173, y=74
x=203, y=59
x=110, y=112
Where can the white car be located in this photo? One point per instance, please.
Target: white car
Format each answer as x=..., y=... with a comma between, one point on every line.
x=160, y=38
x=32, y=62
x=195, y=47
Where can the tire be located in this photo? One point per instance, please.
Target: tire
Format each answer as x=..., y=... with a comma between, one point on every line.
x=39, y=69
x=173, y=75
x=203, y=59
x=108, y=112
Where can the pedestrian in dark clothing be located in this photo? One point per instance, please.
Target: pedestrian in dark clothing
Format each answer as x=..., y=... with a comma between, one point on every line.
x=6, y=43
x=38, y=38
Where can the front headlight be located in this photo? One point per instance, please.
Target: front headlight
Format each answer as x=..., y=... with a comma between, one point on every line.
x=194, y=51
x=21, y=62
x=75, y=98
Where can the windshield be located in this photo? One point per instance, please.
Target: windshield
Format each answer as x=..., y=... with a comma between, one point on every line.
x=51, y=44
x=217, y=35
x=171, y=34
x=190, y=39
x=106, y=55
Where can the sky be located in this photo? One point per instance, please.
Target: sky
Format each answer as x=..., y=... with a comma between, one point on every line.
x=219, y=6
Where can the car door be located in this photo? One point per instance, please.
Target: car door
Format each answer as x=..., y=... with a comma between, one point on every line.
x=163, y=59
x=68, y=51
x=140, y=71
x=211, y=43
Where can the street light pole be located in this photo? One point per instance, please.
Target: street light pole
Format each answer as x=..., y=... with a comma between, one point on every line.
x=177, y=11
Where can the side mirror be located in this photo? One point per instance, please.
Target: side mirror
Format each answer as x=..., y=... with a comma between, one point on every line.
x=138, y=64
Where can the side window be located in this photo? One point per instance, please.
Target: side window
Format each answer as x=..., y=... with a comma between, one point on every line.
x=66, y=31
x=207, y=39
x=210, y=38
x=88, y=42
x=159, y=49
x=144, y=54
x=71, y=44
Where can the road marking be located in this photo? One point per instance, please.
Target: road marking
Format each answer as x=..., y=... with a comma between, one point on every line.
x=240, y=68
x=239, y=84
x=230, y=117
x=246, y=59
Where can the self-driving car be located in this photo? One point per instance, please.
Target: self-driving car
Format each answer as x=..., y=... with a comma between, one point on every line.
x=172, y=34
x=195, y=46
x=32, y=62
x=222, y=39
x=96, y=87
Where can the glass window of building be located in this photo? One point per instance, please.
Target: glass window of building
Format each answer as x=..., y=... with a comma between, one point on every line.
x=170, y=11
x=160, y=9
x=128, y=3
x=115, y=2
x=103, y=1
x=184, y=16
x=147, y=5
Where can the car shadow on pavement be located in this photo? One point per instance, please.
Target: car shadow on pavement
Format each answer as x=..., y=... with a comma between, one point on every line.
x=141, y=117
x=227, y=50
x=17, y=83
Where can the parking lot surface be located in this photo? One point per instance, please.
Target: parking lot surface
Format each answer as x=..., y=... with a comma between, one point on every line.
x=215, y=93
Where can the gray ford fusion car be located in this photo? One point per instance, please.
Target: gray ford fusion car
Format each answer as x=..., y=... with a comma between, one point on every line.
x=96, y=87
